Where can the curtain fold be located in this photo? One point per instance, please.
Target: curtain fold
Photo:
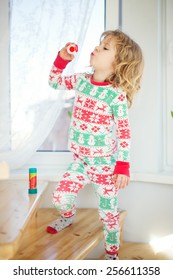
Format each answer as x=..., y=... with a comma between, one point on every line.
x=38, y=30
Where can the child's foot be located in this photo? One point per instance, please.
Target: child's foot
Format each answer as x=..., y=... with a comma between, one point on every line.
x=111, y=257
x=59, y=224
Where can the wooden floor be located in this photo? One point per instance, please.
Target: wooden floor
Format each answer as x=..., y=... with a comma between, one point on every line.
x=73, y=243
x=37, y=244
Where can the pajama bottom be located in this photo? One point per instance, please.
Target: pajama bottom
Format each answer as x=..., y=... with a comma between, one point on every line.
x=98, y=172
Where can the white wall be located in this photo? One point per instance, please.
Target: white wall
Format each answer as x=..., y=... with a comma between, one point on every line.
x=149, y=211
x=148, y=205
x=140, y=20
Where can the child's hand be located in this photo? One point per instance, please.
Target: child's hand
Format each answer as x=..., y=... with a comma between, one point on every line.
x=120, y=181
x=64, y=53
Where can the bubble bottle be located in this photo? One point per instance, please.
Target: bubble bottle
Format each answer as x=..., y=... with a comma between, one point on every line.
x=32, y=181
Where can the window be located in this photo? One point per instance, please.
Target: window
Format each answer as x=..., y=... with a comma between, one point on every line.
x=36, y=33
x=28, y=46
x=26, y=106
x=28, y=110
x=57, y=139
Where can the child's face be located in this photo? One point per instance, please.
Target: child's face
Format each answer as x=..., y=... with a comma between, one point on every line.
x=103, y=56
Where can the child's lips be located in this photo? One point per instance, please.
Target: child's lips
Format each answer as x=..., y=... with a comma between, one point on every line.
x=92, y=56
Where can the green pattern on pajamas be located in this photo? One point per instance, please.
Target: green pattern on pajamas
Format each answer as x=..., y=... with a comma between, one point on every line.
x=97, y=171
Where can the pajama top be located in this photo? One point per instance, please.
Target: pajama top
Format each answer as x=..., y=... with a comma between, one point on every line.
x=100, y=123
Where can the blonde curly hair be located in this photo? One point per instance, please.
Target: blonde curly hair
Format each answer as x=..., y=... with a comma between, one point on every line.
x=128, y=64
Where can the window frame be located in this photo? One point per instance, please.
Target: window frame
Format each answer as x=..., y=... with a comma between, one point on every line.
x=58, y=161
x=167, y=62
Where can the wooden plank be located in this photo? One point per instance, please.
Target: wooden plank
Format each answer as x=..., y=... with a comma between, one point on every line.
x=16, y=209
x=73, y=243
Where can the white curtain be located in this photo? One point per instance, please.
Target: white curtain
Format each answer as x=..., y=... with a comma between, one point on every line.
x=39, y=28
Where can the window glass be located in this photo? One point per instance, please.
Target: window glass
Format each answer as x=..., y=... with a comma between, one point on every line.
x=57, y=140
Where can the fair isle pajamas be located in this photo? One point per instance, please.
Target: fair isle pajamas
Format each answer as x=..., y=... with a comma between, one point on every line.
x=99, y=138
x=98, y=171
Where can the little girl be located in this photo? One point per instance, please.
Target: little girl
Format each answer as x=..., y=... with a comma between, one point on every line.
x=99, y=136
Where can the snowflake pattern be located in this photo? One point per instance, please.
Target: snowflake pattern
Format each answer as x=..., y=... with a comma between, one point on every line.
x=94, y=118
x=69, y=186
x=78, y=113
x=124, y=134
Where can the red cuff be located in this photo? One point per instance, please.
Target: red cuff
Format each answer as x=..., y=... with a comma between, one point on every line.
x=122, y=167
x=60, y=62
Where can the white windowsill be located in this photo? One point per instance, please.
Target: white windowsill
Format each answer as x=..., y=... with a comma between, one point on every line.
x=54, y=175
x=159, y=178
x=51, y=166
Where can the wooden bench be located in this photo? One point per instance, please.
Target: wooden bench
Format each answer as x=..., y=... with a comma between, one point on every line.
x=16, y=210
x=73, y=243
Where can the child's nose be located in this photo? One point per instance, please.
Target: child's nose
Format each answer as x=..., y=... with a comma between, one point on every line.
x=97, y=48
